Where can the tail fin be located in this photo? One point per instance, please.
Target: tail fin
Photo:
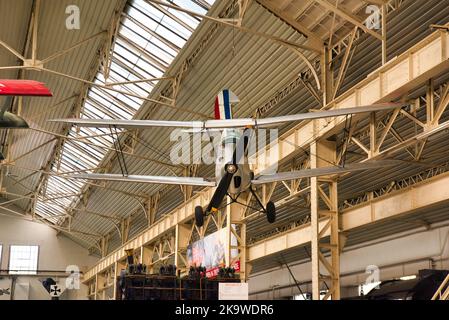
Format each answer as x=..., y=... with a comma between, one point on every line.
x=223, y=104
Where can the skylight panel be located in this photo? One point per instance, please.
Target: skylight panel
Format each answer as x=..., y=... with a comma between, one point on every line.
x=148, y=40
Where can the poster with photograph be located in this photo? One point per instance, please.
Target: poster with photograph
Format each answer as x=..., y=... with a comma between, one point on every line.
x=210, y=252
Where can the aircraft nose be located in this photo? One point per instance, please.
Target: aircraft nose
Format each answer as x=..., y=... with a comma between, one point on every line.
x=231, y=168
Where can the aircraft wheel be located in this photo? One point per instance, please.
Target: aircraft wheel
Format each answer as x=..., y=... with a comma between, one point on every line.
x=199, y=216
x=271, y=212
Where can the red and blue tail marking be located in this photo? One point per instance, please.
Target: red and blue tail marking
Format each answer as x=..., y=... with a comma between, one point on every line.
x=223, y=104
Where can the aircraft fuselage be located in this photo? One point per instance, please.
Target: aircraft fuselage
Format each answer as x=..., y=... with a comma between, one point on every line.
x=241, y=180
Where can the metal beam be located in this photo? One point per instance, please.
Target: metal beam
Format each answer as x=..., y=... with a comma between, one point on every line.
x=349, y=17
x=396, y=204
x=224, y=22
x=384, y=33
x=344, y=64
x=378, y=2
x=409, y=72
x=324, y=221
x=312, y=39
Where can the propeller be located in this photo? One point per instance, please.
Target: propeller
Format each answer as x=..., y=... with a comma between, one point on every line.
x=230, y=170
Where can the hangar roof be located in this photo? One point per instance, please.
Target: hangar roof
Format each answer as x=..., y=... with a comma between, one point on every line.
x=143, y=40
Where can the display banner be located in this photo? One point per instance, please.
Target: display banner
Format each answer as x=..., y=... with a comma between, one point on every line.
x=210, y=252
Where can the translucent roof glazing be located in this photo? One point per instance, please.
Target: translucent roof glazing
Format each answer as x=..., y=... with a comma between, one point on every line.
x=149, y=38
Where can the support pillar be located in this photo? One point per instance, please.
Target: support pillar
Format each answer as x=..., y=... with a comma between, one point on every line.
x=183, y=232
x=146, y=257
x=236, y=229
x=190, y=171
x=104, y=246
x=327, y=78
x=152, y=206
x=384, y=33
x=430, y=102
x=125, y=226
x=97, y=281
x=325, y=224
x=118, y=267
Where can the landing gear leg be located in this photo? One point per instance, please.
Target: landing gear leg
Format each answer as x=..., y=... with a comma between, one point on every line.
x=270, y=209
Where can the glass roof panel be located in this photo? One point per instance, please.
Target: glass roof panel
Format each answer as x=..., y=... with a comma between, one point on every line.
x=149, y=38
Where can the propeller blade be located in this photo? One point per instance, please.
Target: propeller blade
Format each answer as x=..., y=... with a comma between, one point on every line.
x=220, y=192
x=241, y=146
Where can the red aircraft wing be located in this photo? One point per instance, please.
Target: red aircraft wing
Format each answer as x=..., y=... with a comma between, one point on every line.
x=23, y=88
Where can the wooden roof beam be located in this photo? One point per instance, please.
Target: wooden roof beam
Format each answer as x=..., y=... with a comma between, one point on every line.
x=377, y=2
x=312, y=39
x=349, y=17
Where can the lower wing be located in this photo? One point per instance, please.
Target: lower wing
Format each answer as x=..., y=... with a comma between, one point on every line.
x=188, y=181
x=326, y=171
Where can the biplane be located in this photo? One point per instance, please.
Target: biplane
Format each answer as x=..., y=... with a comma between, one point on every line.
x=233, y=173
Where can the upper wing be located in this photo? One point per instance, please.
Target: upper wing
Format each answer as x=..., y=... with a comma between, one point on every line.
x=233, y=123
x=329, y=113
x=326, y=171
x=146, y=179
x=23, y=88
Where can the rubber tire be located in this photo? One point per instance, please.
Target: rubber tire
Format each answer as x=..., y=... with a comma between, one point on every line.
x=199, y=216
x=271, y=212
